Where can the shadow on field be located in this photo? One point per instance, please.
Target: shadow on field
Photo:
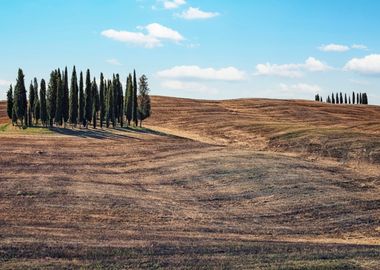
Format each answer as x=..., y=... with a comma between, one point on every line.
x=91, y=133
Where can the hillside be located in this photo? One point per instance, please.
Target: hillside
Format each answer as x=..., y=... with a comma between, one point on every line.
x=344, y=132
x=138, y=198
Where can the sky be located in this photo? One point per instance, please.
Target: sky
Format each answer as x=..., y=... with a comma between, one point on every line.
x=214, y=49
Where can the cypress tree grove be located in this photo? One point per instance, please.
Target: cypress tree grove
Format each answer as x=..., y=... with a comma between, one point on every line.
x=10, y=102
x=88, y=98
x=96, y=102
x=73, y=107
x=82, y=101
x=52, y=97
x=65, y=98
x=102, y=105
x=129, y=100
x=144, y=106
x=19, y=99
x=43, y=108
x=58, y=109
x=135, y=105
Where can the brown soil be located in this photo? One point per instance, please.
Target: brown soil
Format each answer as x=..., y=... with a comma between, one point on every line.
x=125, y=198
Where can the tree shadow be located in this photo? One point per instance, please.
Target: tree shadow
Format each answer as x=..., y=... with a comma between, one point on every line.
x=100, y=134
x=148, y=131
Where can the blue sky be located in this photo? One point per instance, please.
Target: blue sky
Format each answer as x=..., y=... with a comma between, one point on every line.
x=210, y=49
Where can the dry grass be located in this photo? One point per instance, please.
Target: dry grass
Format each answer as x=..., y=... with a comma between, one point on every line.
x=125, y=198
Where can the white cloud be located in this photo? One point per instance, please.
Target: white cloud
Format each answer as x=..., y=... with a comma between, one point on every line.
x=300, y=88
x=173, y=4
x=5, y=83
x=196, y=72
x=161, y=32
x=197, y=14
x=114, y=62
x=187, y=86
x=359, y=47
x=156, y=33
x=291, y=70
x=366, y=65
x=334, y=48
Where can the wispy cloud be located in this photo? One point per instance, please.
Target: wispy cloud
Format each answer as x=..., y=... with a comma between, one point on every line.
x=173, y=4
x=197, y=14
x=291, y=70
x=114, y=62
x=359, y=47
x=156, y=33
x=198, y=73
x=188, y=86
x=369, y=64
x=334, y=48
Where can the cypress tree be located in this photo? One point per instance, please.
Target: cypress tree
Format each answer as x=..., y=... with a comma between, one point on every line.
x=82, y=101
x=10, y=102
x=19, y=99
x=65, y=98
x=341, y=98
x=333, y=98
x=96, y=102
x=144, y=108
x=43, y=108
x=365, y=99
x=88, y=98
x=58, y=110
x=120, y=100
x=36, y=104
x=52, y=97
x=102, y=103
x=114, y=116
x=135, y=105
x=73, y=108
x=31, y=104
x=357, y=98
x=337, y=98
x=129, y=100
x=110, y=105
x=328, y=99
x=345, y=99
x=353, y=97
x=349, y=100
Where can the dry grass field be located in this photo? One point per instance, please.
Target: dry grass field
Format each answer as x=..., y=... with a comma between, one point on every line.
x=242, y=184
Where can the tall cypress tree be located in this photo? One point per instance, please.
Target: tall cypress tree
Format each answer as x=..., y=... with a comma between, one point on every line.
x=43, y=108
x=82, y=101
x=357, y=98
x=10, y=102
x=58, y=110
x=52, y=97
x=332, y=98
x=73, y=108
x=129, y=100
x=31, y=104
x=135, y=105
x=19, y=99
x=36, y=103
x=88, y=98
x=110, y=104
x=345, y=99
x=353, y=97
x=341, y=98
x=120, y=100
x=144, y=108
x=65, y=98
x=96, y=103
x=102, y=103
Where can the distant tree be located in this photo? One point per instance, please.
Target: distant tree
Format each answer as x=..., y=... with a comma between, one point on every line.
x=52, y=96
x=58, y=110
x=65, y=98
x=328, y=99
x=135, y=105
x=337, y=98
x=365, y=99
x=317, y=97
x=114, y=115
x=332, y=98
x=102, y=101
x=345, y=99
x=73, y=108
x=341, y=98
x=120, y=101
x=144, y=106
x=88, y=98
x=19, y=98
x=96, y=102
x=321, y=99
x=357, y=98
x=128, y=107
x=349, y=100
x=353, y=97
x=10, y=102
x=82, y=101
x=43, y=108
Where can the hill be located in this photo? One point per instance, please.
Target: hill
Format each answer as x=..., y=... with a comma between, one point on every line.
x=343, y=132
x=140, y=198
